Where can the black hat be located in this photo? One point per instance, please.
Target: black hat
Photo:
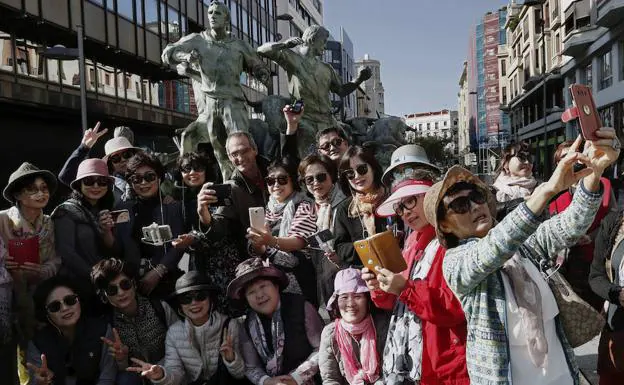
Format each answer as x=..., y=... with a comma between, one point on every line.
x=24, y=171
x=193, y=281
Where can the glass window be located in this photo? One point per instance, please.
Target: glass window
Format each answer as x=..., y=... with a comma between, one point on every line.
x=270, y=6
x=110, y=4
x=173, y=25
x=6, y=52
x=234, y=13
x=245, y=22
x=151, y=15
x=139, y=12
x=29, y=62
x=254, y=30
x=98, y=2
x=124, y=9
x=606, y=73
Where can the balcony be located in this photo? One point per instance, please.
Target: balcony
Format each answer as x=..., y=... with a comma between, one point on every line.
x=610, y=12
x=555, y=19
x=576, y=42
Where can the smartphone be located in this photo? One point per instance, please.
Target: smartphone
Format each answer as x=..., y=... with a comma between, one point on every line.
x=588, y=117
x=223, y=193
x=120, y=216
x=315, y=240
x=297, y=106
x=256, y=217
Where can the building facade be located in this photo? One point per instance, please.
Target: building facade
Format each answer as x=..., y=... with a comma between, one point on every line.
x=464, y=153
x=339, y=54
x=370, y=100
x=442, y=124
x=126, y=82
x=295, y=17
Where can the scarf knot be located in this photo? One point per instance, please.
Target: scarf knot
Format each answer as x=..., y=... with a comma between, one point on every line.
x=365, y=368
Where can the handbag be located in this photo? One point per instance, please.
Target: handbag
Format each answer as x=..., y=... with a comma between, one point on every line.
x=580, y=321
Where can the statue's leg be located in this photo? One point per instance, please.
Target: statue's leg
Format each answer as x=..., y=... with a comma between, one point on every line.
x=218, y=135
x=306, y=137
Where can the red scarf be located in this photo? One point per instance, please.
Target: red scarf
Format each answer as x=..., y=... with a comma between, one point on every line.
x=366, y=369
x=415, y=246
x=563, y=201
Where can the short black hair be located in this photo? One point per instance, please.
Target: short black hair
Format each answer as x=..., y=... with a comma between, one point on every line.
x=289, y=166
x=368, y=156
x=338, y=130
x=107, y=270
x=197, y=159
x=43, y=291
x=141, y=159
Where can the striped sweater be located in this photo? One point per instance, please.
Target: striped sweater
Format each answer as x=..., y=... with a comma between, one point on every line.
x=472, y=271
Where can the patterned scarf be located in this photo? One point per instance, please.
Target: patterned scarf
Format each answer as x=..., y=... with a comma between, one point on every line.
x=324, y=208
x=365, y=369
x=273, y=361
x=284, y=212
x=363, y=206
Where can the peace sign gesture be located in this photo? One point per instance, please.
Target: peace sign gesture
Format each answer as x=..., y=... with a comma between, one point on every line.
x=227, y=347
x=116, y=348
x=91, y=135
x=149, y=371
x=43, y=375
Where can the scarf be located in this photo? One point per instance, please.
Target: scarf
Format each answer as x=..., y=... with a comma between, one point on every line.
x=364, y=369
x=403, y=350
x=363, y=206
x=324, y=208
x=285, y=212
x=510, y=188
x=529, y=300
x=272, y=361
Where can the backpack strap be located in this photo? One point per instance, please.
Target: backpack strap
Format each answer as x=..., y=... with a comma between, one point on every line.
x=159, y=310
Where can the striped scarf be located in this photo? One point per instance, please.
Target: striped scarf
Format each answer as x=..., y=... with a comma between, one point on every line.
x=301, y=225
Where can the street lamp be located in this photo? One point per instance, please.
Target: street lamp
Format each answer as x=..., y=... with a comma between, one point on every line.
x=59, y=52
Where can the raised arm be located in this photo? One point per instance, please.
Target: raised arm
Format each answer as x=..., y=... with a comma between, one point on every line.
x=272, y=50
x=344, y=89
x=254, y=64
x=181, y=50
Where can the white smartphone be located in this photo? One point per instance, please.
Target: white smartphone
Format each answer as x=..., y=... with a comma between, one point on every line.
x=256, y=217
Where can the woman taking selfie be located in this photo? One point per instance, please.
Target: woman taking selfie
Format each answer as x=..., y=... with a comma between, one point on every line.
x=156, y=258
x=492, y=269
x=360, y=180
x=68, y=349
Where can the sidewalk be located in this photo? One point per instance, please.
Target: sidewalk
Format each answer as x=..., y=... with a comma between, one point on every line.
x=586, y=356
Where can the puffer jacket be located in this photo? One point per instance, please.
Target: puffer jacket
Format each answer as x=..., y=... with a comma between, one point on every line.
x=183, y=357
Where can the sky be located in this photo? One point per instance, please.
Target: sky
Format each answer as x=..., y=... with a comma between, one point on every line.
x=421, y=45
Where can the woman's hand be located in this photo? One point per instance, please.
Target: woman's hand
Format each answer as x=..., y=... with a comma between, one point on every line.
x=149, y=281
x=43, y=375
x=564, y=176
x=10, y=264
x=390, y=282
x=292, y=119
x=183, y=241
x=91, y=135
x=261, y=238
x=370, y=279
x=116, y=348
x=603, y=152
x=206, y=197
x=227, y=348
x=149, y=371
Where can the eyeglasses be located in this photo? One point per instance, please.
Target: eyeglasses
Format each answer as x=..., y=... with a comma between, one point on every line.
x=320, y=178
x=92, y=180
x=148, y=177
x=69, y=301
x=125, y=155
x=524, y=157
x=361, y=169
x=192, y=167
x=462, y=205
x=336, y=142
x=112, y=290
x=197, y=296
x=282, y=180
x=240, y=153
x=34, y=190
x=407, y=204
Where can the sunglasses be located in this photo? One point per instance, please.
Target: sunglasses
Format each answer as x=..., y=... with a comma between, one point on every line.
x=407, y=204
x=101, y=181
x=361, y=170
x=34, y=190
x=69, y=301
x=282, y=180
x=192, y=167
x=320, y=178
x=112, y=290
x=462, y=205
x=524, y=157
x=148, y=177
x=125, y=155
x=336, y=142
x=197, y=296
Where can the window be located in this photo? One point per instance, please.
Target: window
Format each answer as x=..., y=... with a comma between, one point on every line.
x=173, y=25
x=420, y=126
x=504, y=92
x=555, y=47
x=445, y=123
x=606, y=74
x=107, y=79
x=139, y=12
x=525, y=29
x=503, y=68
x=537, y=59
x=436, y=125
x=151, y=15
x=428, y=126
x=586, y=75
x=92, y=76
x=110, y=4
x=234, y=13
x=124, y=9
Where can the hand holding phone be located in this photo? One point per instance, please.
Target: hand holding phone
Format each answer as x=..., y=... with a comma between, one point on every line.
x=223, y=192
x=586, y=111
x=120, y=216
x=256, y=218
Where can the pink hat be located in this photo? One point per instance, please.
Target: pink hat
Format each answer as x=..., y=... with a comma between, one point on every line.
x=406, y=188
x=347, y=281
x=91, y=167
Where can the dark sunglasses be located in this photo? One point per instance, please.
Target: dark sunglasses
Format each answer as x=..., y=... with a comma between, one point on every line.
x=524, y=157
x=192, y=167
x=336, y=142
x=125, y=155
x=197, y=296
x=407, y=204
x=320, y=177
x=361, y=169
x=34, y=190
x=112, y=290
x=148, y=177
x=462, y=205
x=69, y=301
x=101, y=181
x=282, y=180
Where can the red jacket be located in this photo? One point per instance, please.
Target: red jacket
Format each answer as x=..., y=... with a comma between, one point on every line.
x=443, y=320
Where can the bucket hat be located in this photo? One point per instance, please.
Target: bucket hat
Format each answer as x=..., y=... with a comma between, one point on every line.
x=347, y=281
x=193, y=281
x=407, y=154
x=24, y=171
x=90, y=167
x=434, y=196
x=115, y=145
x=252, y=269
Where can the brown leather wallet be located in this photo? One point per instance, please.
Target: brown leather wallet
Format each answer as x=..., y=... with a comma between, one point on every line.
x=381, y=250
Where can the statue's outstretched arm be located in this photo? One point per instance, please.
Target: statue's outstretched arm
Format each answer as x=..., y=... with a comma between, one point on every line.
x=270, y=50
x=179, y=51
x=345, y=89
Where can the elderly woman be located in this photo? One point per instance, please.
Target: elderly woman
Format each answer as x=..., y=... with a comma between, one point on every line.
x=515, y=174
x=69, y=348
x=318, y=173
x=28, y=255
x=354, y=326
x=139, y=324
x=492, y=269
x=422, y=303
x=282, y=332
x=201, y=349
x=360, y=180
